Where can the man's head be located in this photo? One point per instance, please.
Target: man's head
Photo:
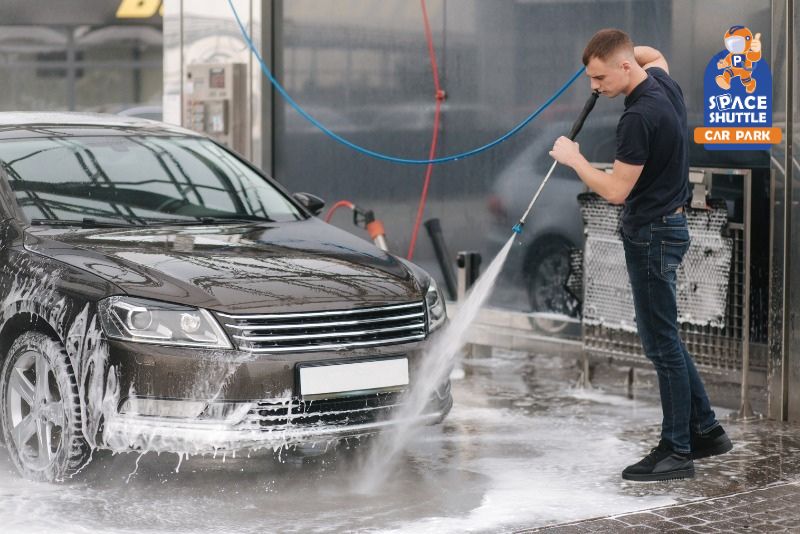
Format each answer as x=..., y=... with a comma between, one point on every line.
x=610, y=62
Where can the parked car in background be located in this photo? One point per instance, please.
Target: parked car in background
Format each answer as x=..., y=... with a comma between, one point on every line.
x=158, y=293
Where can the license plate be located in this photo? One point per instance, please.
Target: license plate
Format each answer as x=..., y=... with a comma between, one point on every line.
x=352, y=378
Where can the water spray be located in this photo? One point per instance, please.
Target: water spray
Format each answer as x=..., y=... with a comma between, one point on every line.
x=587, y=108
x=442, y=353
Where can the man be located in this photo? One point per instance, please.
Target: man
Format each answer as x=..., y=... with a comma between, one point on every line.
x=651, y=178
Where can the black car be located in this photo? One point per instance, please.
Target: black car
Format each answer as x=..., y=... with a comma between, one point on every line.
x=159, y=293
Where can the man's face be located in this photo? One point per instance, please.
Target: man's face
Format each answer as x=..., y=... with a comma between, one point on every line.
x=609, y=77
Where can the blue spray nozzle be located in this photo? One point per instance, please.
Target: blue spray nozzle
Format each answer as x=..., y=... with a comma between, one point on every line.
x=517, y=228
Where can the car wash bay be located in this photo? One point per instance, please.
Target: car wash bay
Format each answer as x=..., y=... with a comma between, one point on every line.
x=527, y=442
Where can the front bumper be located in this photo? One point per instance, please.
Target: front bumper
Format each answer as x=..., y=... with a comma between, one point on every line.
x=268, y=424
x=199, y=401
x=165, y=372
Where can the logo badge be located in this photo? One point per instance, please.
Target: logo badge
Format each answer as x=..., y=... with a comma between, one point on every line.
x=737, y=90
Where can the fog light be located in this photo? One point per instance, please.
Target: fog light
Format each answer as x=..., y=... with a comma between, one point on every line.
x=163, y=407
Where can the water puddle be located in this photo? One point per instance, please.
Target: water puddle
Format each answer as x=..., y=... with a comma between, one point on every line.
x=494, y=465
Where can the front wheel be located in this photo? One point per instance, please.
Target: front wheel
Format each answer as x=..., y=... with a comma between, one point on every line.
x=40, y=412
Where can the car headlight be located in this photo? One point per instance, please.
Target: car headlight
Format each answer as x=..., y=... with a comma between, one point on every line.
x=151, y=321
x=437, y=312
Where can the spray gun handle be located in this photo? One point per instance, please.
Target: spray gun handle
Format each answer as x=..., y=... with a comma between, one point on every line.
x=587, y=108
x=360, y=217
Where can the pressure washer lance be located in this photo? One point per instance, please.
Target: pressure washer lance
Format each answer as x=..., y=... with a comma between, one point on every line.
x=587, y=108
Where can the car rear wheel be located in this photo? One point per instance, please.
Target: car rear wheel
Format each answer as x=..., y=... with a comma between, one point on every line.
x=40, y=412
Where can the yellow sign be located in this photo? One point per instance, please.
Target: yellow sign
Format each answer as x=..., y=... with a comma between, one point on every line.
x=139, y=9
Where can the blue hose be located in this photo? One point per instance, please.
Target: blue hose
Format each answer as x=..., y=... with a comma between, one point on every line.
x=378, y=155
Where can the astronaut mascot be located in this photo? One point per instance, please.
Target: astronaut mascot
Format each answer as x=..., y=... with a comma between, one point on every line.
x=744, y=52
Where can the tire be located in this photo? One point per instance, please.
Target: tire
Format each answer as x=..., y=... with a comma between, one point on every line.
x=548, y=270
x=40, y=410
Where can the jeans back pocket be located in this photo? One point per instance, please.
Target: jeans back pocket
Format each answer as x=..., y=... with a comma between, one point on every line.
x=672, y=253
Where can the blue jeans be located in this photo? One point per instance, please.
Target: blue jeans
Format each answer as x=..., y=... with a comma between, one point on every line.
x=652, y=256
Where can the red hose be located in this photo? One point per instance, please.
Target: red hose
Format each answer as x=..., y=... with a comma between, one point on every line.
x=439, y=97
x=340, y=204
x=431, y=51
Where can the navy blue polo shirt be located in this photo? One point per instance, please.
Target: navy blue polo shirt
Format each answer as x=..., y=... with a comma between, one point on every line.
x=653, y=132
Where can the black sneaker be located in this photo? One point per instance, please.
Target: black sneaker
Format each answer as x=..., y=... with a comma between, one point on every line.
x=661, y=464
x=714, y=442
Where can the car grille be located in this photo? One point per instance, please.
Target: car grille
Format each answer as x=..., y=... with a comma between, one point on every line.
x=327, y=330
x=271, y=414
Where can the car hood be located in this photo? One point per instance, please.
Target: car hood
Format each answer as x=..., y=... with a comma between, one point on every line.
x=244, y=268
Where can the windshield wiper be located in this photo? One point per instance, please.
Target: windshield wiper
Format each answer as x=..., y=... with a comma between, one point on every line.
x=235, y=218
x=201, y=221
x=86, y=222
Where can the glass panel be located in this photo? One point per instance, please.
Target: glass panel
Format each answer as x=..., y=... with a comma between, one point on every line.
x=362, y=67
x=27, y=43
x=96, y=68
x=108, y=90
x=32, y=73
x=173, y=50
x=26, y=89
x=119, y=43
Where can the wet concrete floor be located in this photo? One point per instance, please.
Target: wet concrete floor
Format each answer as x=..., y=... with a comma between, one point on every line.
x=522, y=448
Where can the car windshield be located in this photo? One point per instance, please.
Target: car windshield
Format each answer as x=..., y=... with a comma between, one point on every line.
x=142, y=179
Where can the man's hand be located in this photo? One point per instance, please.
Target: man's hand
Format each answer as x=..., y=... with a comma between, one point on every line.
x=566, y=152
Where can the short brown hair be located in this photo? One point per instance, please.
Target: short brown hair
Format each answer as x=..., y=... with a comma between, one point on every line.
x=604, y=43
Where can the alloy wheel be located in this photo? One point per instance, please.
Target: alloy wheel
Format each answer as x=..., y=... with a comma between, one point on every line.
x=36, y=411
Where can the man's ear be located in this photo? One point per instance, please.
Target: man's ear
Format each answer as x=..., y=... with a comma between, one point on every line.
x=625, y=65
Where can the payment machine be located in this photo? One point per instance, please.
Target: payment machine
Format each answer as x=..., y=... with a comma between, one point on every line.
x=215, y=103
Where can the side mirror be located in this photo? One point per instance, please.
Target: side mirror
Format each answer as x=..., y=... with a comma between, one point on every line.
x=312, y=203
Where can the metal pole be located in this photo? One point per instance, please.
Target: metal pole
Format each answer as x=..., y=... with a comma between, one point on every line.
x=72, y=73
x=538, y=192
x=787, y=207
x=182, y=73
x=273, y=114
x=745, y=409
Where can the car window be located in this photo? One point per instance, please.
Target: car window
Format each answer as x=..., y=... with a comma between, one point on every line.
x=136, y=178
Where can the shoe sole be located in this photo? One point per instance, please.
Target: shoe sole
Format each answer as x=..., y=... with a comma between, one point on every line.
x=679, y=474
x=722, y=448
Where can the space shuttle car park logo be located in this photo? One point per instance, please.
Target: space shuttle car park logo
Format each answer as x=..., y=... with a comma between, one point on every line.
x=737, y=96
